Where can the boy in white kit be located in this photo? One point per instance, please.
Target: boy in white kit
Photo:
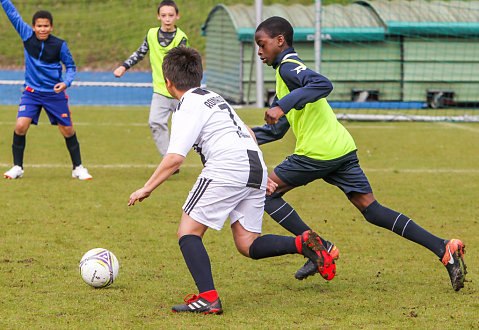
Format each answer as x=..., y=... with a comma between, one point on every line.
x=233, y=182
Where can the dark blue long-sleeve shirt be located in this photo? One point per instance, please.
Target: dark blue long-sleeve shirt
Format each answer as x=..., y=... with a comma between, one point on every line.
x=305, y=86
x=43, y=58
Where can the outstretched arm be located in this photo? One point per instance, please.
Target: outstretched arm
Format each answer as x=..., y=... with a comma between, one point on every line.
x=168, y=165
x=133, y=59
x=24, y=30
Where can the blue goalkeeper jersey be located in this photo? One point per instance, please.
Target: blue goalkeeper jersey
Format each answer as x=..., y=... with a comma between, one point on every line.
x=43, y=58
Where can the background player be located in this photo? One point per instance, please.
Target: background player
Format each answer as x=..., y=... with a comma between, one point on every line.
x=44, y=87
x=158, y=41
x=325, y=150
x=232, y=183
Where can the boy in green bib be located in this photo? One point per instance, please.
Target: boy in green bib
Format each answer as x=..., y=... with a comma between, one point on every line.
x=159, y=40
x=325, y=150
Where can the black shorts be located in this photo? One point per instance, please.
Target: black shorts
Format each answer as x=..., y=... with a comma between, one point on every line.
x=343, y=172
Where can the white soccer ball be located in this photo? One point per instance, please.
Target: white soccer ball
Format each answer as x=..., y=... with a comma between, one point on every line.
x=99, y=268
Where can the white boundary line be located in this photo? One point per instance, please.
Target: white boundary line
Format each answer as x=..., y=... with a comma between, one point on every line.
x=366, y=170
x=425, y=170
x=88, y=83
x=92, y=83
x=93, y=166
x=145, y=124
x=461, y=126
x=349, y=127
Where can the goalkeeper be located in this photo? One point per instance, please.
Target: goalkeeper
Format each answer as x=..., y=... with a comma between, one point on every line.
x=158, y=41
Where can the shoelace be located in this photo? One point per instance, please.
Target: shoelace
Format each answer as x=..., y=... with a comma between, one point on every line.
x=193, y=298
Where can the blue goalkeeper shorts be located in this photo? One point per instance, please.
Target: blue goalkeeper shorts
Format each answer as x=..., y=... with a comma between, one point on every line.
x=55, y=105
x=343, y=172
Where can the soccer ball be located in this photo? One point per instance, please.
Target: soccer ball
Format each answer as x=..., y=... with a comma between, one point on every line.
x=99, y=268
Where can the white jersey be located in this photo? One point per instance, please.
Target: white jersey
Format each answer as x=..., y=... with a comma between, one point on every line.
x=205, y=121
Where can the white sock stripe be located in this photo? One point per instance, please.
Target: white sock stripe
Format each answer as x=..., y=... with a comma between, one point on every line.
x=286, y=216
x=394, y=224
x=402, y=234
x=279, y=208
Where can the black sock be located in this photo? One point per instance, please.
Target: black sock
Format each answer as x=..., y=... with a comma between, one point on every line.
x=284, y=214
x=74, y=149
x=198, y=262
x=402, y=225
x=271, y=246
x=18, y=147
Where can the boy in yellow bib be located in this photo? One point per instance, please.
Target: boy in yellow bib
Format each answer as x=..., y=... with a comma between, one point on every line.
x=325, y=150
x=159, y=40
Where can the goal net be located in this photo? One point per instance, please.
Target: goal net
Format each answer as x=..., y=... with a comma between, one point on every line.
x=403, y=60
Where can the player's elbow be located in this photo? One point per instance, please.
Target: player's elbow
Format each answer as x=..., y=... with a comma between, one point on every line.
x=328, y=86
x=173, y=160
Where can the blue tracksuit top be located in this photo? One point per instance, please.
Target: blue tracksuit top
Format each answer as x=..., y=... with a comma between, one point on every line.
x=43, y=58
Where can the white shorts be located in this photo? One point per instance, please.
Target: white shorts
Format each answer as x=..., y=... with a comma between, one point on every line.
x=211, y=203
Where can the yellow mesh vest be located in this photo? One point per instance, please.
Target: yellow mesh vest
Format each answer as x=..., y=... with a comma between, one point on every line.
x=318, y=133
x=157, y=53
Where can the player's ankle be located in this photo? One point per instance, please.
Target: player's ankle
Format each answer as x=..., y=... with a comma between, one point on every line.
x=211, y=295
x=299, y=244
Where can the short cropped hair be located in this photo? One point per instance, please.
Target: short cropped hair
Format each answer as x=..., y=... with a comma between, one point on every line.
x=42, y=14
x=183, y=67
x=275, y=26
x=168, y=3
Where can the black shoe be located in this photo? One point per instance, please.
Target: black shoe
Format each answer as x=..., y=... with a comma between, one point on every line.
x=454, y=262
x=309, y=269
x=176, y=172
x=197, y=304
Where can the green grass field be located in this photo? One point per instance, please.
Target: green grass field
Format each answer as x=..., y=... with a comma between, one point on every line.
x=48, y=221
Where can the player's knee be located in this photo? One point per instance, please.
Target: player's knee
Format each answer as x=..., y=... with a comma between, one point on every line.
x=244, y=243
x=181, y=232
x=361, y=200
x=244, y=250
x=21, y=129
x=67, y=131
